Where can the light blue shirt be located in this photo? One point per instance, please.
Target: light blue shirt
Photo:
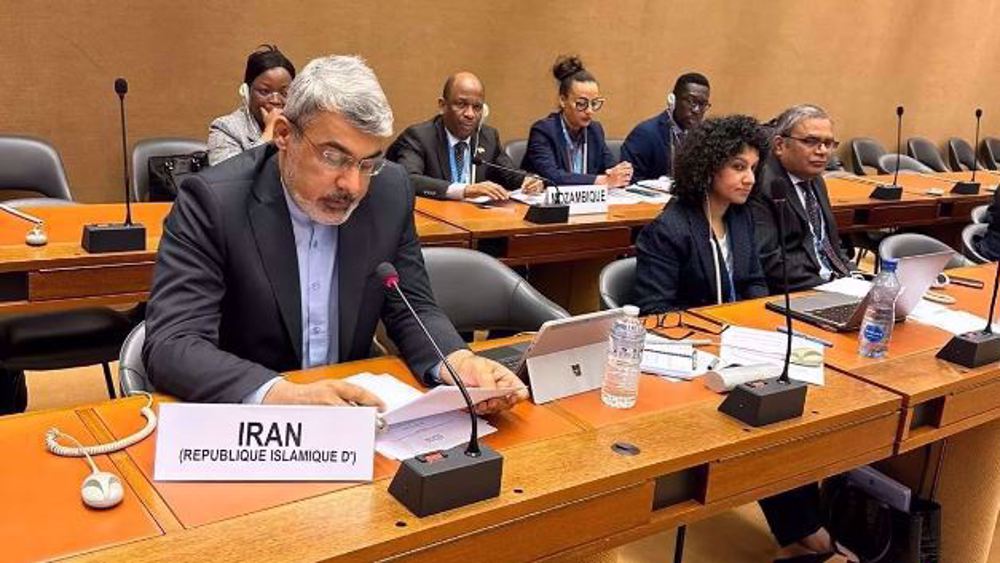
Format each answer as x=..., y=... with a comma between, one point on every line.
x=456, y=190
x=824, y=272
x=319, y=291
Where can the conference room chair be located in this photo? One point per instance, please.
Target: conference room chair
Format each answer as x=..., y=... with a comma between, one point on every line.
x=926, y=152
x=478, y=292
x=989, y=152
x=515, y=151
x=157, y=146
x=961, y=156
x=979, y=214
x=906, y=163
x=615, y=146
x=865, y=152
x=615, y=283
x=131, y=370
x=914, y=244
x=970, y=236
x=64, y=339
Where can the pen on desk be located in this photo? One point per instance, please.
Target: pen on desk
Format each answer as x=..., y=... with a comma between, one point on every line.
x=809, y=337
x=967, y=282
x=693, y=356
x=685, y=342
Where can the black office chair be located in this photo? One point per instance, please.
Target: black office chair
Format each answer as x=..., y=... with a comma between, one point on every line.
x=961, y=156
x=515, y=151
x=989, y=152
x=131, y=370
x=478, y=292
x=615, y=146
x=616, y=283
x=970, y=237
x=979, y=214
x=866, y=152
x=906, y=163
x=926, y=152
x=159, y=146
x=913, y=244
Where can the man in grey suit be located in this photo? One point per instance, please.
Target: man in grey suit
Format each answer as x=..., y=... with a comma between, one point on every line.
x=438, y=154
x=267, y=260
x=802, y=145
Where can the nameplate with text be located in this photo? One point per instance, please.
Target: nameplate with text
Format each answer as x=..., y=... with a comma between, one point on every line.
x=582, y=200
x=221, y=442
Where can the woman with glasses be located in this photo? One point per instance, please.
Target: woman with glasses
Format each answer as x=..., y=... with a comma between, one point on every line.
x=262, y=98
x=568, y=146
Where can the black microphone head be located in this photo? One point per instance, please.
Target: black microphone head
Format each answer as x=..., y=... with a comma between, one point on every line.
x=121, y=86
x=979, y=112
x=899, y=111
x=387, y=274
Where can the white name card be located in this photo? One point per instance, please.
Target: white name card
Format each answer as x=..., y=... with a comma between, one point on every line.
x=215, y=442
x=582, y=200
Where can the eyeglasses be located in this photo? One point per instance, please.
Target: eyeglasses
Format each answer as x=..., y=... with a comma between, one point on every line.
x=697, y=106
x=596, y=104
x=812, y=143
x=267, y=94
x=334, y=158
x=675, y=320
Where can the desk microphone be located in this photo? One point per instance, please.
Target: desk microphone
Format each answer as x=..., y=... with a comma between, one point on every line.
x=115, y=237
x=437, y=481
x=979, y=347
x=892, y=191
x=972, y=186
x=765, y=401
x=540, y=213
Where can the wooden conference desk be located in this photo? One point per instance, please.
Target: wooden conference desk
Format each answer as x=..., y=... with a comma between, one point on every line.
x=61, y=275
x=563, y=487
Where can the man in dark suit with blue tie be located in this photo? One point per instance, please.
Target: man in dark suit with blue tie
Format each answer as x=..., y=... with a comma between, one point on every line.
x=650, y=147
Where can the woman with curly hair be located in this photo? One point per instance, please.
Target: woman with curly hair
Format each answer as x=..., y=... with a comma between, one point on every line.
x=701, y=248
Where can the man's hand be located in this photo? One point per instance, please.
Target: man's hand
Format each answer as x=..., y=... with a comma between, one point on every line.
x=477, y=371
x=619, y=175
x=532, y=185
x=489, y=189
x=322, y=392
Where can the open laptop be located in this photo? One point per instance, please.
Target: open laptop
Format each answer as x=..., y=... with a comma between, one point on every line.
x=573, y=352
x=842, y=313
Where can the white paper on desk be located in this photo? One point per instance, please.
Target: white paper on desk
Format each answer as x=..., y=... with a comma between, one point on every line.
x=948, y=319
x=749, y=346
x=846, y=286
x=673, y=366
x=440, y=432
x=404, y=403
x=529, y=199
x=621, y=196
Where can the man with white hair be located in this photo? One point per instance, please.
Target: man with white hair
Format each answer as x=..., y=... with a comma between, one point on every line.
x=267, y=260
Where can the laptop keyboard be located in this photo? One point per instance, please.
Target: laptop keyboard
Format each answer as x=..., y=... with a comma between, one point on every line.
x=507, y=356
x=838, y=314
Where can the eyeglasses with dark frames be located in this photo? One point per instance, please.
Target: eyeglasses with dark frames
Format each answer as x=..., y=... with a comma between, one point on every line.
x=812, y=143
x=581, y=104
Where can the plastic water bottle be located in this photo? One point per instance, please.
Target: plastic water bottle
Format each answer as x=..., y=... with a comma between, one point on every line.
x=880, y=316
x=621, y=374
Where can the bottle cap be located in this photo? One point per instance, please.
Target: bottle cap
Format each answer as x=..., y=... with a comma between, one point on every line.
x=631, y=310
x=889, y=264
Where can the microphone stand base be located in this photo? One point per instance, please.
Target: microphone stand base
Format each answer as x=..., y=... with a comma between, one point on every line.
x=765, y=401
x=887, y=192
x=965, y=188
x=446, y=479
x=113, y=237
x=972, y=349
x=547, y=213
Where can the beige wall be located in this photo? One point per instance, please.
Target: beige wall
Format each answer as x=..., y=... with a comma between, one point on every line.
x=184, y=60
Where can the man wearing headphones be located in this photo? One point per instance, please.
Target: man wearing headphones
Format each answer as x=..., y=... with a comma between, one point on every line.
x=650, y=146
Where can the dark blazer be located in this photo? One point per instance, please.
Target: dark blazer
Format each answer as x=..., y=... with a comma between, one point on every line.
x=224, y=313
x=675, y=269
x=422, y=150
x=803, y=265
x=547, y=156
x=649, y=147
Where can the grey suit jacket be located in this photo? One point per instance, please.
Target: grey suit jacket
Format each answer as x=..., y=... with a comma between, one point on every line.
x=422, y=149
x=232, y=134
x=224, y=312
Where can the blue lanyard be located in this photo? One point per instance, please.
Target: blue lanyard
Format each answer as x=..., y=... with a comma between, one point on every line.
x=458, y=177
x=577, y=157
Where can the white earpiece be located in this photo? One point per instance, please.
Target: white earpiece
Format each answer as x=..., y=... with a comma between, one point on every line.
x=244, y=93
x=36, y=236
x=102, y=490
x=671, y=102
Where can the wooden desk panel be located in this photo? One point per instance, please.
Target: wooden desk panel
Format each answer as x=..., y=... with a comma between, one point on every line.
x=41, y=512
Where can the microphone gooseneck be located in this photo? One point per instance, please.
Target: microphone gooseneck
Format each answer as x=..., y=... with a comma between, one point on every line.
x=899, y=143
x=390, y=279
x=993, y=300
x=121, y=88
x=975, y=143
x=779, y=196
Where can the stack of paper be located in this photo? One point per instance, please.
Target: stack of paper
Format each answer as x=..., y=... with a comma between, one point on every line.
x=947, y=319
x=662, y=356
x=748, y=346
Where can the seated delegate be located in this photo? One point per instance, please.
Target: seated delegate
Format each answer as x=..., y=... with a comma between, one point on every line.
x=568, y=146
x=262, y=96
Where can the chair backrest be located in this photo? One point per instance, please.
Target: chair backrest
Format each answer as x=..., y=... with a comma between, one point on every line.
x=478, y=292
x=131, y=371
x=926, y=152
x=979, y=214
x=615, y=146
x=960, y=155
x=989, y=151
x=866, y=152
x=616, y=282
x=158, y=146
x=888, y=161
x=32, y=164
x=970, y=236
x=914, y=244
x=515, y=151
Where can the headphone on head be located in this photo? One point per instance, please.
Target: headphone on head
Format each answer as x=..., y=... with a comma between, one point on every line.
x=671, y=101
x=244, y=93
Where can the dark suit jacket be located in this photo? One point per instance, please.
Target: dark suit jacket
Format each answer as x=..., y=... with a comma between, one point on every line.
x=649, y=147
x=224, y=312
x=803, y=265
x=675, y=269
x=422, y=150
x=547, y=155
